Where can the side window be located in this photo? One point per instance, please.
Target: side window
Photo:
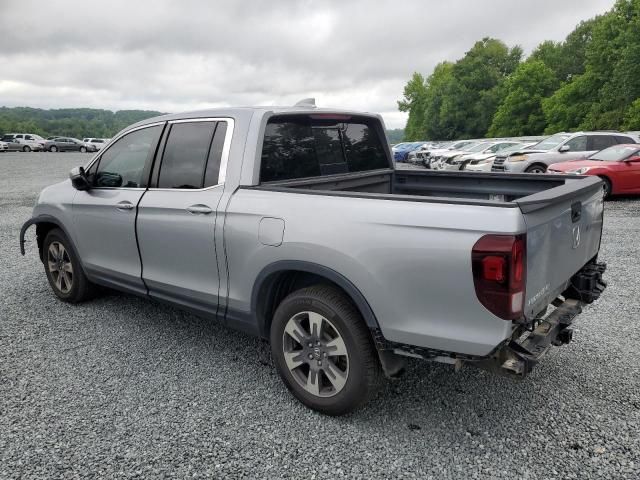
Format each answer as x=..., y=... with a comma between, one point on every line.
x=28, y=137
x=622, y=139
x=577, y=144
x=185, y=155
x=123, y=164
x=19, y=136
x=212, y=172
x=298, y=146
x=600, y=142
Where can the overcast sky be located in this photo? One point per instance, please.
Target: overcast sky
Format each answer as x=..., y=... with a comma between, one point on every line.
x=182, y=55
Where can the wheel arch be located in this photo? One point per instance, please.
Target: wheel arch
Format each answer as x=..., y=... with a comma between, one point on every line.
x=279, y=279
x=607, y=178
x=537, y=164
x=44, y=224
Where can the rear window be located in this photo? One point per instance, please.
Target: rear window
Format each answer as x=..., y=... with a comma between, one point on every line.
x=299, y=146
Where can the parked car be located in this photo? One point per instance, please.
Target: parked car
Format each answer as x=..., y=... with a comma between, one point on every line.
x=23, y=142
x=97, y=142
x=618, y=167
x=4, y=146
x=417, y=156
x=67, y=144
x=401, y=153
x=480, y=151
x=560, y=147
x=484, y=162
x=429, y=155
x=438, y=161
x=292, y=223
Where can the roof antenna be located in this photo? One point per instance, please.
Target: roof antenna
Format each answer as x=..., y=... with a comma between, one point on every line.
x=306, y=102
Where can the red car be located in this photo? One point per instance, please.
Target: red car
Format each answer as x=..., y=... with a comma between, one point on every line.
x=617, y=166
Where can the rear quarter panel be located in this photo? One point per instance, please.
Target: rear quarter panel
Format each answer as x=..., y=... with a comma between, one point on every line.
x=410, y=260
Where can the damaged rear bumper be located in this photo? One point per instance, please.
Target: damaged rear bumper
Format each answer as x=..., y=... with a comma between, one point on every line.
x=518, y=356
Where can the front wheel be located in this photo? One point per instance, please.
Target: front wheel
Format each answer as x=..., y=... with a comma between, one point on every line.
x=323, y=351
x=606, y=187
x=53, y=148
x=26, y=148
x=63, y=269
x=83, y=149
x=536, y=169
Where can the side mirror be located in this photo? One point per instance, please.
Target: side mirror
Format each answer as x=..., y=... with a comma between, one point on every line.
x=79, y=179
x=564, y=148
x=633, y=159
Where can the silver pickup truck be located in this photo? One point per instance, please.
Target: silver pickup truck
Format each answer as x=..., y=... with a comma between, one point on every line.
x=292, y=224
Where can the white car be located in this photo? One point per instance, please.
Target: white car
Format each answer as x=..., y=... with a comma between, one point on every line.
x=440, y=161
x=4, y=146
x=479, y=152
x=484, y=162
x=25, y=142
x=98, y=142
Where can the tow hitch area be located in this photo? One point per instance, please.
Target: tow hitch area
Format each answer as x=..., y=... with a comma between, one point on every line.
x=519, y=356
x=587, y=285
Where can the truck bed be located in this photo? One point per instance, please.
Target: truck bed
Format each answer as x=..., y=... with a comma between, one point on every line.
x=526, y=191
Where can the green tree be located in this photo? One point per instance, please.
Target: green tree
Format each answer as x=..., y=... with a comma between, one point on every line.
x=520, y=112
x=475, y=93
x=413, y=102
x=632, y=117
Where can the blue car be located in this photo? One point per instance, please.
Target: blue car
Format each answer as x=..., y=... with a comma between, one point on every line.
x=401, y=151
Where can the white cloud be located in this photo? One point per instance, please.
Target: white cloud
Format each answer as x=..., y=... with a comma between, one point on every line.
x=173, y=56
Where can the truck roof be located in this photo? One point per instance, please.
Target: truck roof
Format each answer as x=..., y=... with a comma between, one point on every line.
x=247, y=113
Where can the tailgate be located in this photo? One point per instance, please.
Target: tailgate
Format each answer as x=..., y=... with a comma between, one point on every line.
x=564, y=227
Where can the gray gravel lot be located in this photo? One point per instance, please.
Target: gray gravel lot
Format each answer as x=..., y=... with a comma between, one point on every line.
x=124, y=387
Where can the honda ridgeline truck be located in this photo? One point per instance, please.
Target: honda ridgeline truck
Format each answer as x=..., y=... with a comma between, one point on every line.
x=293, y=224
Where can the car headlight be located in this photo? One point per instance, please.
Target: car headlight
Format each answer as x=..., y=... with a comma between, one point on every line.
x=579, y=171
x=517, y=158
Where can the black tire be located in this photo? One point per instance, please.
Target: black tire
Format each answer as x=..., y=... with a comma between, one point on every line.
x=26, y=148
x=83, y=149
x=536, y=169
x=364, y=373
x=53, y=148
x=606, y=187
x=80, y=289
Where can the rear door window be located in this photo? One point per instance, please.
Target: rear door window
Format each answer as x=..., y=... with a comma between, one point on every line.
x=299, y=146
x=192, y=155
x=600, y=142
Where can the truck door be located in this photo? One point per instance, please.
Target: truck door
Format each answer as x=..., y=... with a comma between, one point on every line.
x=178, y=213
x=104, y=216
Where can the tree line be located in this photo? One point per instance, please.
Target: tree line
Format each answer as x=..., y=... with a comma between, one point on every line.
x=589, y=81
x=69, y=122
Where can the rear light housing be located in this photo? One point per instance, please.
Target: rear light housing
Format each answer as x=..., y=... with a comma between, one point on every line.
x=499, y=265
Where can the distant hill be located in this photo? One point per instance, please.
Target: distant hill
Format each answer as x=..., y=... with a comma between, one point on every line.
x=70, y=122
x=396, y=135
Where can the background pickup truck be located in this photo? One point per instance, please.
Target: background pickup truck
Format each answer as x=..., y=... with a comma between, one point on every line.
x=292, y=224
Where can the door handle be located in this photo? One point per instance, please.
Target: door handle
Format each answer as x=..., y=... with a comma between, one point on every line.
x=125, y=206
x=199, y=209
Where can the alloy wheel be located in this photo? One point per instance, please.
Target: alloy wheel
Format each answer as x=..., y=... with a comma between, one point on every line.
x=60, y=267
x=315, y=354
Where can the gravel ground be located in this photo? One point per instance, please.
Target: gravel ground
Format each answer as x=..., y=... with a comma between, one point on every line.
x=124, y=387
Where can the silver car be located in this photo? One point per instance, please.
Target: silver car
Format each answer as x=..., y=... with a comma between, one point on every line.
x=560, y=147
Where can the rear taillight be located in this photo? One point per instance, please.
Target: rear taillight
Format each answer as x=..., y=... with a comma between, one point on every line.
x=499, y=271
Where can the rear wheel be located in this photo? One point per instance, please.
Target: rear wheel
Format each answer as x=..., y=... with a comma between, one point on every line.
x=63, y=269
x=323, y=350
x=606, y=187
x=536, y=169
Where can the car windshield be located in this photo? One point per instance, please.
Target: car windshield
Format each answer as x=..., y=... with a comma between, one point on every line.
x=551, y=142
x=459, y=145
x=616, y=153
x=468, y=147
